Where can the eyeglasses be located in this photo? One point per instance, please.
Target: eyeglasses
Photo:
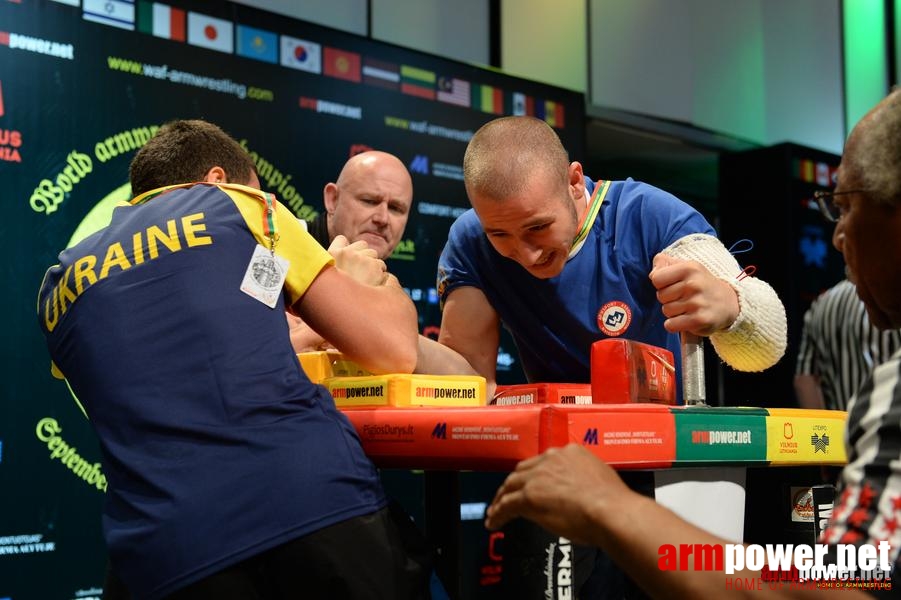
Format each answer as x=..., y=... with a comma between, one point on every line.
x=827, y=205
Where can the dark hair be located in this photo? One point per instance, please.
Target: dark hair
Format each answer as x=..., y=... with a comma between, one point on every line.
x=183, y=152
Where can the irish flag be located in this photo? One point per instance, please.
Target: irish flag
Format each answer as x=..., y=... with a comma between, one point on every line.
x=161, y=20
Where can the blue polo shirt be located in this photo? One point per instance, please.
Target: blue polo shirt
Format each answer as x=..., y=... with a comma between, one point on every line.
x=603, y=291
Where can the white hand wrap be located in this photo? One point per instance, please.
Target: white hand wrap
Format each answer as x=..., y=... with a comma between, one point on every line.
x=758, y=337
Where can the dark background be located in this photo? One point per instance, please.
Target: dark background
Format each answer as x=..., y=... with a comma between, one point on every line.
x=50, y=541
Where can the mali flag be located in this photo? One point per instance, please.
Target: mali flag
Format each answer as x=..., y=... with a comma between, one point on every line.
x=488, y=99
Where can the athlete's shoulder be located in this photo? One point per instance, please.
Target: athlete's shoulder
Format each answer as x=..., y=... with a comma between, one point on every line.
x=466, y=226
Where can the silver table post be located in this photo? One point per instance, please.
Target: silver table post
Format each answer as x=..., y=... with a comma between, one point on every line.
x=693, y=390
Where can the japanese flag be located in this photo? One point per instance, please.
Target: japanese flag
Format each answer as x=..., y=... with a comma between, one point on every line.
x=210, y=32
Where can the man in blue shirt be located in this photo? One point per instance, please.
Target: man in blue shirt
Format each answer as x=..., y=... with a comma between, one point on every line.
x=571, y=492
x=563, y=261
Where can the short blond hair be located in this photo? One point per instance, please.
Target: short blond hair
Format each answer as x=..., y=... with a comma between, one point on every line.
x=504, y=153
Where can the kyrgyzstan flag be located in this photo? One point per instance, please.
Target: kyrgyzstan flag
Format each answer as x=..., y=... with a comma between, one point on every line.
x=210, y=32
x=341, y=64
x=161, y=20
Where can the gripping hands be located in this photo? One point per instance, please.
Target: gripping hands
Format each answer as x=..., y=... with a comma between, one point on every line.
x=359, y=261
x=693, y=299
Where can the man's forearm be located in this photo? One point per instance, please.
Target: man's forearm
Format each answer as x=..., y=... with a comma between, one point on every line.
x=434, y=358
x=758, y=337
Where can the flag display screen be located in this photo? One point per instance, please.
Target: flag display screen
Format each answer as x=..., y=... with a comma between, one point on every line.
x=84, y=84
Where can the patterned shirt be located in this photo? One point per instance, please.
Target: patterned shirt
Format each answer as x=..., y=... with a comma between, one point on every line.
x=840, y=346
x=868, y=509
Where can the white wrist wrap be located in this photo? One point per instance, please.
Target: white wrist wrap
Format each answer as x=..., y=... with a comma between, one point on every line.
x=758, y=337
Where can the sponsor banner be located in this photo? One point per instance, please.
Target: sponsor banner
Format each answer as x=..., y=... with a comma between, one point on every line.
x=802, y=509
x=331, y=108
x=797, y=436
x=624, y=435
x=419, y=165
x=439, y=210
x=115, y=13
x=428, y=128
x=27, y=43
x=10, y=144
x=162, y=21
x=405, y=250
x=258, y=44
x=486, y=437
x=301, y=54
x=341, y=64
x=48, y=431
x=717, y=435
x=543, y=393
x=28, y=543
x=447, y=171
x=407, y=390
x=209, y=32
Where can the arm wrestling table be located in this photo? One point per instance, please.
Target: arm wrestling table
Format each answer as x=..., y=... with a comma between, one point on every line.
x=698, y=454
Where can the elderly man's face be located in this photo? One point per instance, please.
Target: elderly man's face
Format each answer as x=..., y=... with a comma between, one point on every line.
x=868, y=234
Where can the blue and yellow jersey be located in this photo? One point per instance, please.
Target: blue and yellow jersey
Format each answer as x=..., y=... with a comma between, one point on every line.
x=193, y=387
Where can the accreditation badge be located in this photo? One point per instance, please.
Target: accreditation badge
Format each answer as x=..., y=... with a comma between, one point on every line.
x=265, y=276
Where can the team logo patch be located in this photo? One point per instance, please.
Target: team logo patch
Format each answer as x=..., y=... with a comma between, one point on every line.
x=614, y=318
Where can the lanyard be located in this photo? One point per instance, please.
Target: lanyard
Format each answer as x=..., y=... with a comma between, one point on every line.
x=600, y=192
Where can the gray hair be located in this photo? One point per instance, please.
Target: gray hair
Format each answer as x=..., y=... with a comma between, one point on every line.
x=877, y=159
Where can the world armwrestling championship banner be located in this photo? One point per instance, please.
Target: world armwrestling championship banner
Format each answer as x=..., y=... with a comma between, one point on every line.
x=83, y=85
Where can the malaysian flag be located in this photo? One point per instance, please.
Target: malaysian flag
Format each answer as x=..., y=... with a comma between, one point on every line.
x=453, y=91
